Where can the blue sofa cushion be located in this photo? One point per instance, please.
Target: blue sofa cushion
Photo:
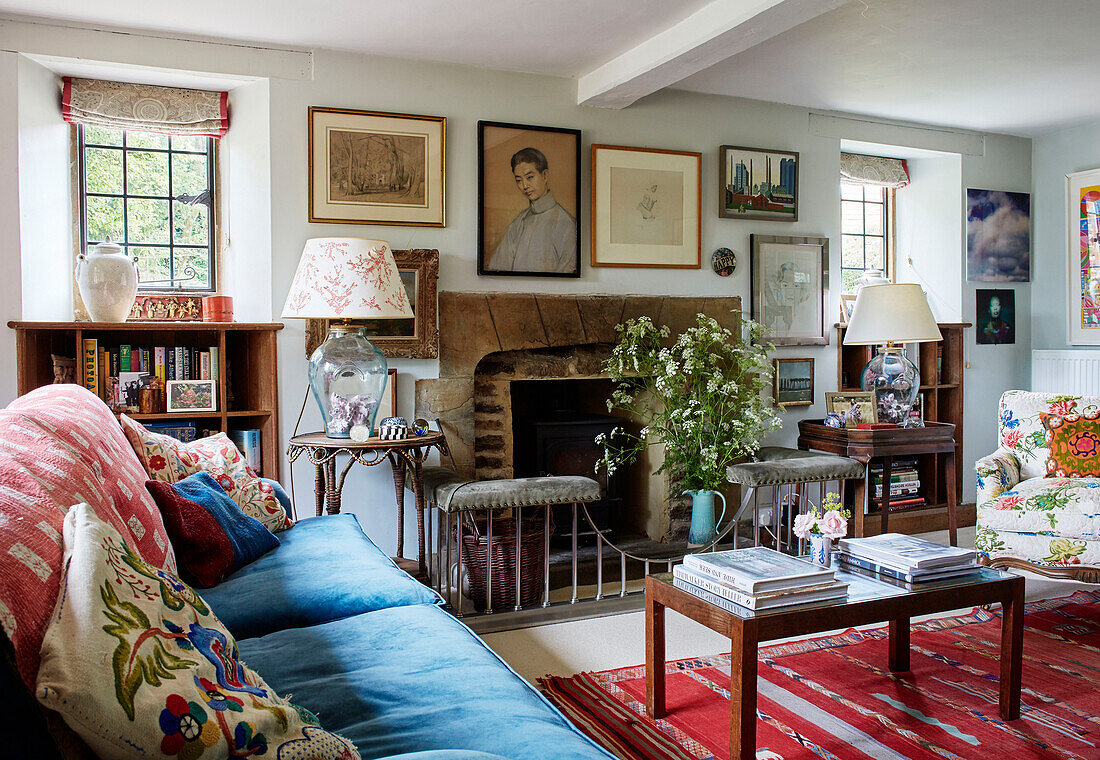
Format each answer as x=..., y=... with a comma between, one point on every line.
x=414, y=679
x=325, y=569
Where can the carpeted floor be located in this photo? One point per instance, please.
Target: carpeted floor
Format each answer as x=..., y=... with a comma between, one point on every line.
x=833, y=698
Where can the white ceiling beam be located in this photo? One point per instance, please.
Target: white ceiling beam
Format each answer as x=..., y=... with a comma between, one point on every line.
x=712, y=34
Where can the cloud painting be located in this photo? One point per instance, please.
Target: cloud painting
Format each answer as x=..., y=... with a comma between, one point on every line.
x=998, y=236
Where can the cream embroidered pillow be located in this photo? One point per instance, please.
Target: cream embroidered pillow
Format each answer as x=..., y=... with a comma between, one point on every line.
x=170, y=460
x=139, y=666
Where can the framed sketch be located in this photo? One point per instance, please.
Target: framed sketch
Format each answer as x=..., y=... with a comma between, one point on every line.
x=413, y=338
x=790, y=287
x=192, y=396
x=847, y=303
x=369, y=167
x=387, y=406
x=998, y=236
x=793, y=382
x=844, y=400
x=646, y=207
x=529, y=193
x=757, y=184
x=1083, y=250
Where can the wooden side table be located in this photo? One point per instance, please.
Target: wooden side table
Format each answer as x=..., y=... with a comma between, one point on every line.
x=407, y=454
x=886, y=444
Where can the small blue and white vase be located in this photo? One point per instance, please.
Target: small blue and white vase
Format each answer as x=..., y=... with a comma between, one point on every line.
x=821, y=550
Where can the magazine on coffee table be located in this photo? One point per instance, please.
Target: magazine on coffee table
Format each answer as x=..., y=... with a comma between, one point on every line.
x=757, y=569
x=906, y=553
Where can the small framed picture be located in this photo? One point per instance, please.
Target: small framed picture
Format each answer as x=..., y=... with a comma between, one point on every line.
x=646, y=207
x=793, y=382
x=192, y=396
x=842, y=402
x=847, y=303
x=995, y=317
x=529, y=200
x=757, y=184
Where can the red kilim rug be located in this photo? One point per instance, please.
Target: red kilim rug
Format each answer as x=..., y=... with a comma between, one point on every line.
x=833, y=698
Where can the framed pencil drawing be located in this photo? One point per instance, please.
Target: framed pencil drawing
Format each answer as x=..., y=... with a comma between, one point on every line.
x=529, y=191
x=370, y=167
x=646, y=207
x=790, y=287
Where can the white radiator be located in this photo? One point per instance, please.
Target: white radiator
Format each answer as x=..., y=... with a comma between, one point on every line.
x=1076, y=372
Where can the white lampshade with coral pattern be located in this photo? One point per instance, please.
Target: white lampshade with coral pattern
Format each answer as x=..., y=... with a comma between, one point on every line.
x=347, y=278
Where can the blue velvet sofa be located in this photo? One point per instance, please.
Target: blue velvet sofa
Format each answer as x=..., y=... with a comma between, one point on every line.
x=330, y=619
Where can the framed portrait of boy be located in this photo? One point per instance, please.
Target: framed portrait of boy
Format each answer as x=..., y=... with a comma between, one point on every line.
x=529, y=190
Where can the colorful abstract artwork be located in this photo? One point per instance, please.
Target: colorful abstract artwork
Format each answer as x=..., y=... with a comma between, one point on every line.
x=1083, y=241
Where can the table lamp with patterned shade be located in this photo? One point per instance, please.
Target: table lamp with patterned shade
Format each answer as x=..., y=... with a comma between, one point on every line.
x=342, y=279
x=892, y=315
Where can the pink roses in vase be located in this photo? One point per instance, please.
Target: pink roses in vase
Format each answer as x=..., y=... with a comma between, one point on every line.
x=821, y=526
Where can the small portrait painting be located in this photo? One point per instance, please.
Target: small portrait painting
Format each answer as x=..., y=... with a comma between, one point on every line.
x=529, y=200
x=996, y=316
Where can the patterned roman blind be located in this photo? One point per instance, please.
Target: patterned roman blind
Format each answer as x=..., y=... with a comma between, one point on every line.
x=145, y=107
x=873, y=170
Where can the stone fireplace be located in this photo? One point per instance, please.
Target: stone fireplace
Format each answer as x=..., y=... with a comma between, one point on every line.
x=488, y=341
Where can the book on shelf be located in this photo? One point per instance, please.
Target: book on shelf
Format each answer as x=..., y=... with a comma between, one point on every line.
x=760, y=601
x=849, y=561
x=91, y=365
x=182, y=431
x=906, y=553
x=758, y=569
x=112, y=371
x=248, y=441
x=911, y=486
x=204, y=365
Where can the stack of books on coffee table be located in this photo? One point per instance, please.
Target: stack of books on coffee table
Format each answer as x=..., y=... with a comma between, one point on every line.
x=906, y=558
x=757, y=578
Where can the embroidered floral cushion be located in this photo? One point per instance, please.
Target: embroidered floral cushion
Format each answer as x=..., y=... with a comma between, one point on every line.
x=1073, y=441
x=170, y=460
x=1021, y=428
x=139, y=666
x=60, y=445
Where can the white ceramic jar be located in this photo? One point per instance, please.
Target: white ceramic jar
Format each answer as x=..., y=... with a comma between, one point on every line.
x=108, y=281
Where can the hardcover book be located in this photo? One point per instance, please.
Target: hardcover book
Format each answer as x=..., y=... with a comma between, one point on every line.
x=764, y=601
x=758, y=569
x=917, y=576
x=906, y=553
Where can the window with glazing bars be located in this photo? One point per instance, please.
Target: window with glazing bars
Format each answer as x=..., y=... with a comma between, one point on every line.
x=866, y=219
x=153, y=195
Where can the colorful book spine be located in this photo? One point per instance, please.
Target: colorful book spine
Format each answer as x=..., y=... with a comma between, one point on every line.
x=159, y=367
x=147, y=361
x=170, y=363
x=116, y=359
x=104, y=372
x=188, y=366
x=91, y=365
x=213, y=362
x=204, y=365
x=125, y=360
x=248, y=441
x=890, y=572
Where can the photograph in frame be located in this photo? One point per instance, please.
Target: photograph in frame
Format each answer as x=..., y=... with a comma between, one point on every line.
x=840, y=402
x=793, y=382
x=789, y=290
x=646, y=208
x=529, y=189
x=757, y=184
x=371, y=167
x=191, y=396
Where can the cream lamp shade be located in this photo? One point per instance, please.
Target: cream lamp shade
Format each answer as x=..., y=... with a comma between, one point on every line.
x=891, y=314
x=347, y=278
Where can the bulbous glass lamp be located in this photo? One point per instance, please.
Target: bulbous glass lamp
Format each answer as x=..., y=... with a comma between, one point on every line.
x=342, y=279
x=891, y=316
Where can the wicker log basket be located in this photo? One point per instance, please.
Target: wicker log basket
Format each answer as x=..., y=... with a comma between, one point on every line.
x=502, y=554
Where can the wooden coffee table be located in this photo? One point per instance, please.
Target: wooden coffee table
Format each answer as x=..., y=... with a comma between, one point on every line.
x=871, y=599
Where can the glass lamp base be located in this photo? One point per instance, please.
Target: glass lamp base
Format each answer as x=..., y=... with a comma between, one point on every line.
x=895, y=382
x=347, y=374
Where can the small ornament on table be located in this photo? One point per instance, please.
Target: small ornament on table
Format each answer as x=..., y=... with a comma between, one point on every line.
x=834, y=420
x=349, y=412
x=420, y=427
x=393, y=429
x=821, y=526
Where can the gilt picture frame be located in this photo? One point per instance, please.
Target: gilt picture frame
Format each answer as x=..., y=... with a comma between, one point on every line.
x=413, y=338
x=646, y=208
x=373, y=167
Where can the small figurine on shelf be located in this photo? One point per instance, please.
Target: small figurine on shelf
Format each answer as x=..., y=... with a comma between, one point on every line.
x=64, y=369
x=834, y=420
x=393, y=429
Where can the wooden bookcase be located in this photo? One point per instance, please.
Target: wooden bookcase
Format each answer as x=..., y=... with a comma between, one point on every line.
x=941, y=393
x=248, y=367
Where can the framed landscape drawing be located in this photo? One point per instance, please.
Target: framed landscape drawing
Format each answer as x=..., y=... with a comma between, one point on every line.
x=790, y=287
x=998, y=236
x=793, y=382
x=413, y=338
x=646, y=207
x=1083, y=250
x=529, y=192
x=368, y=167
x=757, y=184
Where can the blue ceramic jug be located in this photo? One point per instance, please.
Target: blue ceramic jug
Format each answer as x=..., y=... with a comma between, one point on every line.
x=703, y=525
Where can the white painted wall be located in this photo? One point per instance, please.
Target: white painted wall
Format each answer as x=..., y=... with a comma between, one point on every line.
x=1054, y=156
x=669, y=119
x=45, y=206
x=11, y=296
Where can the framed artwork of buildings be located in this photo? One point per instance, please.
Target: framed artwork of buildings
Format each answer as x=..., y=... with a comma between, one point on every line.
x=757, y=184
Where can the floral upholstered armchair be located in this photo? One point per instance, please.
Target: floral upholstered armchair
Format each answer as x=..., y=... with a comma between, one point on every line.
x=1029, y=517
